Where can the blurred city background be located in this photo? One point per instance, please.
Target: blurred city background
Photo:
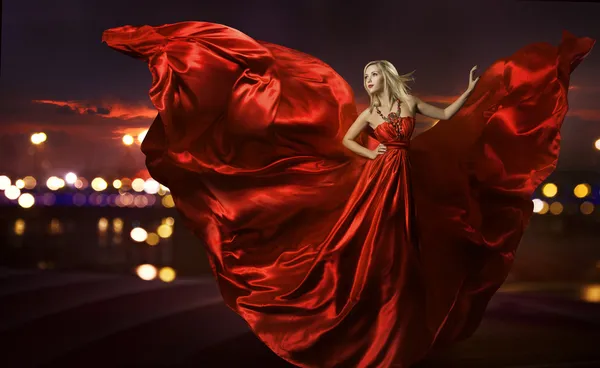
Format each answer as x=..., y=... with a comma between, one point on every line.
x=92, y=248
x=125, y=222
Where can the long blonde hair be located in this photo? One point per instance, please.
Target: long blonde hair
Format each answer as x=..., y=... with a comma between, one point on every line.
x=396, y=83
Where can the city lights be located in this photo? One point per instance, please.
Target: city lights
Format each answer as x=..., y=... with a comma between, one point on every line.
x=99, y=184
x=164, y=231
x=138, y=234
x=138, y=184
x=55, y=183
x=582, y=190
x=4, y=182
x=128, y=140
x=153, y=239
x=71, y=178
x=166, y=274
x=151, y=186
x=141, y=136
x=26, y=200
x=550, y=190
x=146, y=272
x=38, y=138
x=12, y=192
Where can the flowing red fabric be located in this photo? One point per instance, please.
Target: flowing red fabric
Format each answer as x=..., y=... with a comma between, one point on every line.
x=331, y=258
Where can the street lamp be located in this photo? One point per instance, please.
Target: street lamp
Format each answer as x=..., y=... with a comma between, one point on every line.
x=128, y=140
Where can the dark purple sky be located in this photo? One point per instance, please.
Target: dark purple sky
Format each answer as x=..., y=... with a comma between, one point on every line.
x=58, y=77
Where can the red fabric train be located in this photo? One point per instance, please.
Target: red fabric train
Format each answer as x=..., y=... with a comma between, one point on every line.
x=333, y=259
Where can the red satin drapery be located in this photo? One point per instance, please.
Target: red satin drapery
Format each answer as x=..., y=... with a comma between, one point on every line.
x=333, y=259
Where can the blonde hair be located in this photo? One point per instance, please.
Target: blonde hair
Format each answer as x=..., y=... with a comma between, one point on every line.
x=396, y=83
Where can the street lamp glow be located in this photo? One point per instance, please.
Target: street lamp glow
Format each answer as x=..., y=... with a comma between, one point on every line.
x=38, y=138
x=151, y=186
x=55, y=183
x=582, y=190
x=166, y=274
x=550, y=190
x=99, y=184
x=597, y=144
x=141, y=136
x=127, y=140
x=26, y=200
x=30, y=182
x=538, y=205
x=146, y=272
x=4, y=182
x=71, y=178
x=138, y=234
x=138, y=184
x=12, y=192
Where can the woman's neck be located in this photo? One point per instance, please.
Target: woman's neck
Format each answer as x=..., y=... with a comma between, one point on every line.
x=385, y=99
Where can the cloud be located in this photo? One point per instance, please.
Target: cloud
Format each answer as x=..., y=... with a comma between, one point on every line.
x=585, y=114
x=109, y=110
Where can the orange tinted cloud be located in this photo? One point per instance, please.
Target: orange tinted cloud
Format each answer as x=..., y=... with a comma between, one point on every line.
x=585, y=114
x=113, y=109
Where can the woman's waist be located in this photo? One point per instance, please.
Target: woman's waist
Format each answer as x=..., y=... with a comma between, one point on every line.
x=397, y=144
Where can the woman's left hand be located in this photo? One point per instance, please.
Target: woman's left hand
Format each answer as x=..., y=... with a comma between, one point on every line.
x=472, y=81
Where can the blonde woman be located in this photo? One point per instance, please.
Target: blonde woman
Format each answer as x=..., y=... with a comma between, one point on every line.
x=388, y=91
x=334, y=255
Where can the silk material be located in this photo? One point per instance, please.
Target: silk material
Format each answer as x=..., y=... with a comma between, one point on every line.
x=331, y=258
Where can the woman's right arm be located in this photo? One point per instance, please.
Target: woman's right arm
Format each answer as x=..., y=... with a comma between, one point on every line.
x=349, y=142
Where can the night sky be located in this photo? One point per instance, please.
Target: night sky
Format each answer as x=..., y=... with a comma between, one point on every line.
x=59, y=78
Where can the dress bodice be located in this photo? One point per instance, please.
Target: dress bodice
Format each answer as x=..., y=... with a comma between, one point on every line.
x=388, y=132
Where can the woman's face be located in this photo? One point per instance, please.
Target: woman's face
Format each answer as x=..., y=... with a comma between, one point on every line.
x=373, y=79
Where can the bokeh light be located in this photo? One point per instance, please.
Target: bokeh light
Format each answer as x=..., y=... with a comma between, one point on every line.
x=556, y=208
x=538, y=204
x=151, y=186
x=582, y=190
x=138, y=234
x=138, y=184
x=26, y=200
x=166, y=274
x=103, y=224
x=591, y=293
x=117, y=225
x=153, y=239
x=141, y=136
x=20, y=183
x=550, y=190
x=38, y=138
x=146, y=272
x=30, y=182
x=164, y=231
x=71, y=178
x=55, y=183
x=167, y=201
x=4, y=182
x=99, y=184
x=79, y=199
x=587, y=208
x=12, y=192
x=128, y=140
x=19, y=227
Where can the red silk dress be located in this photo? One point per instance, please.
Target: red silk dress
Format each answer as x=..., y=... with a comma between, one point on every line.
x=331, y=258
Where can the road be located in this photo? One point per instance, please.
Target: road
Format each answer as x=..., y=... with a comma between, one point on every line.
x=59, y=319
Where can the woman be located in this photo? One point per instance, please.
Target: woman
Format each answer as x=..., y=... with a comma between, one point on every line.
x=334, y=260
x=383, y=83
